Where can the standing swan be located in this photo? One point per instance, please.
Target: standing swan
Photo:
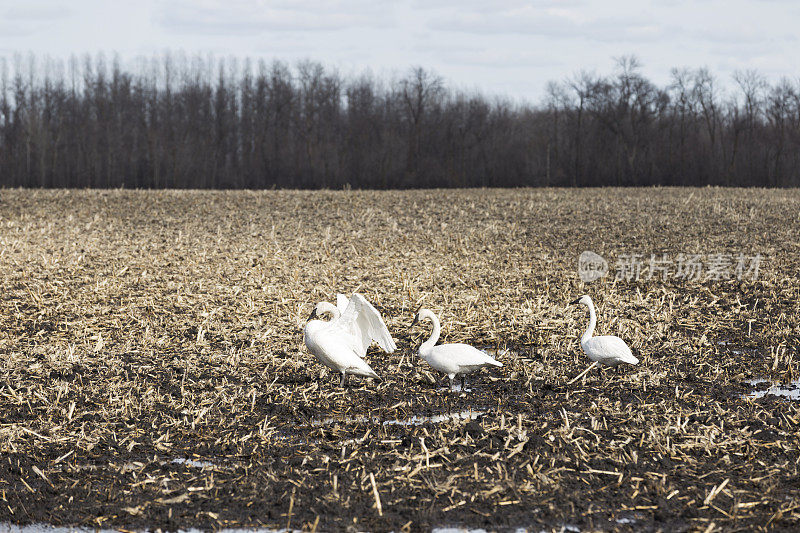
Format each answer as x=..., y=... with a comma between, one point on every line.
x=607, y=349
x=452, y=359
x=339, y=343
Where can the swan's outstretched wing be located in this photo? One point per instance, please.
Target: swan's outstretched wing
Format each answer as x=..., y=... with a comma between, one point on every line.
x=364, y=322
x=371, y=321
x=341, y=302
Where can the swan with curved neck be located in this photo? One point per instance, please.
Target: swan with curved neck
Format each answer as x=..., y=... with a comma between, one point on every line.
x=341, y=342
x=607, y=350
x=451, y=359
x=327, y=307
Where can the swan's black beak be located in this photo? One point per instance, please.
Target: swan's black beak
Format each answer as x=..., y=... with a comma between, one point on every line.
x=312, y=315
x=576, y=301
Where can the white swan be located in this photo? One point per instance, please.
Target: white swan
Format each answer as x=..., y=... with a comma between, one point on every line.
x=607, y=349
x=452, y=359
x=340, y=343
x=369, y=326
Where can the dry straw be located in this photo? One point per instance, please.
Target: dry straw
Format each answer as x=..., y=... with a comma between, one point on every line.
x=153, y=376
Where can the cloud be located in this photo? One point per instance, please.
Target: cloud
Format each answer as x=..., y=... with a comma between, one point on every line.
x=28, y=19
x=15, y=30
x=567, y=24
x=247, y=17
x=482, y=6
x=34, y=12
x=736, y=35
x=326, y=6
x=629, y=30
x=556, y=23
x=487, y=57
x=525, y=20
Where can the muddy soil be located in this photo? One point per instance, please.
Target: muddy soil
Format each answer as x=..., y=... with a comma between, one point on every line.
x=152, y=373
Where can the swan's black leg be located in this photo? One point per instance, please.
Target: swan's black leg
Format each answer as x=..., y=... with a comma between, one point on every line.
x=463, y=383
x=343, y=379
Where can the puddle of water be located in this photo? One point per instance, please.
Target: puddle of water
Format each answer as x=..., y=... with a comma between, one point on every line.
x=436, y=419
x=415, y=420
x=193, y=462
x=789, y=391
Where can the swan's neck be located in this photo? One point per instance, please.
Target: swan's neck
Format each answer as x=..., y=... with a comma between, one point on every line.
x=592, y=322
x=326, y=307
x=431, y=342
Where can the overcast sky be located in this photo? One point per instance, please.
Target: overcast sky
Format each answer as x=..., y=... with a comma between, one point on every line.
x=503, y=47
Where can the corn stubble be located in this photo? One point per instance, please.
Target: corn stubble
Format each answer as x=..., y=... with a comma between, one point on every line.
x=153, y=374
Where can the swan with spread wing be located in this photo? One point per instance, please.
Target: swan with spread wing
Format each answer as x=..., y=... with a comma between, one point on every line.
x=341, y=342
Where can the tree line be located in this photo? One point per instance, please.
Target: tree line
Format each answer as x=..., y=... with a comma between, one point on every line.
x=174, y=121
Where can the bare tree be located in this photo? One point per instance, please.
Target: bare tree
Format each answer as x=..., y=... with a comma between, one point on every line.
x=175, y=121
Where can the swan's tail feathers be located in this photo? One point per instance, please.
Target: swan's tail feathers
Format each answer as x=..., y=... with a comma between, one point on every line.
x=627, y=357
x=489, y=360
x=364, y=371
